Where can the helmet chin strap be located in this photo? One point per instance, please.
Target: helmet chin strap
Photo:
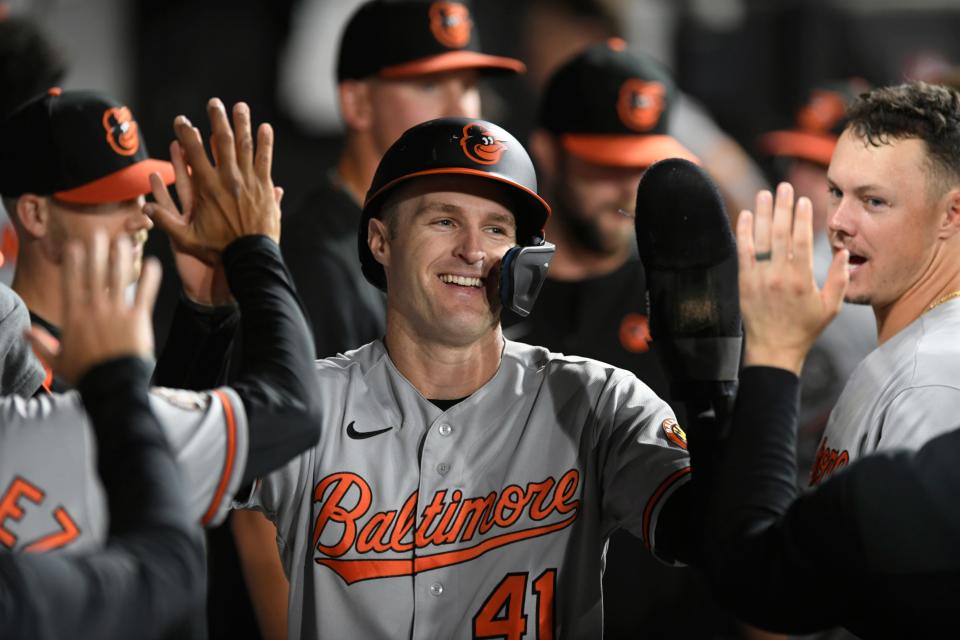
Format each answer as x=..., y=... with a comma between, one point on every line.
x=522, y=273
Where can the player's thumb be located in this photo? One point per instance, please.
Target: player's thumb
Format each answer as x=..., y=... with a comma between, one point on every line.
x=170, y=222
x=836, y=283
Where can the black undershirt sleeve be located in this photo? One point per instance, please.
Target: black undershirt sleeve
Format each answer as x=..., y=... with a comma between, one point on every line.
x=766, y=551
x=198, y=343
x=276, y=380
x=873, y=547
x=151, y=569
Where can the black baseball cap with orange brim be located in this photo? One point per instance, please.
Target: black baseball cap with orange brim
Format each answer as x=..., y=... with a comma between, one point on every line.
x=819, y=122
x=609, y=106
x=80, y=147
x=407, y=38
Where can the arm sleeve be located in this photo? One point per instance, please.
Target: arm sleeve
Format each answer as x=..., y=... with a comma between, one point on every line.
x=644, y=459
x=276, y=381
x=886, y=525
x=198, y=343
x=151, y=569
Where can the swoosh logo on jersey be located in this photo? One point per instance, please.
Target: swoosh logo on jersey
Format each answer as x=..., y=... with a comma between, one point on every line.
x=362, y=435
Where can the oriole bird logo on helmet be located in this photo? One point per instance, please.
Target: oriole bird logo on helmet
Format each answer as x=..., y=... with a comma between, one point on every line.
x=481, y=145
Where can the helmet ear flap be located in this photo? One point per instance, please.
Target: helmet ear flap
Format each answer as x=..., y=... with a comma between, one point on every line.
x=522, y=273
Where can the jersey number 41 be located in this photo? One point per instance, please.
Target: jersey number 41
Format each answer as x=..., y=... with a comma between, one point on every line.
x=502, y=614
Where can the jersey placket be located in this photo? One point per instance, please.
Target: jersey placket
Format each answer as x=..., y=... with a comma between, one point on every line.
x=436, y=590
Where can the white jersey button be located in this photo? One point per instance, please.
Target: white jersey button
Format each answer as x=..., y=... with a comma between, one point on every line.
x=436, y=589
x=445, y=430
x=443, y=468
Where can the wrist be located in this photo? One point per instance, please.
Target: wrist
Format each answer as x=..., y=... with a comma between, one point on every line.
x=774, y=356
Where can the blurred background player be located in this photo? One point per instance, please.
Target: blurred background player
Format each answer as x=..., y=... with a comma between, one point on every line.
x=556, y=30
x=800, y=155
x=29, y=65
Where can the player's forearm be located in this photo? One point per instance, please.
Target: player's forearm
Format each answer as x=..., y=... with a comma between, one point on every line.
x=151, y=569
x=766, y=558
x=198, y=343
x=276, y=379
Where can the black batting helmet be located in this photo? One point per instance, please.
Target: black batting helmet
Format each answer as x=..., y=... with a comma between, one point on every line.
x=458, y=146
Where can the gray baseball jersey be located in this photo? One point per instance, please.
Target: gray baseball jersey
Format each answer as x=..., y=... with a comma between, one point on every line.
x=51, y=496
x=905, y=392
x=489, y=519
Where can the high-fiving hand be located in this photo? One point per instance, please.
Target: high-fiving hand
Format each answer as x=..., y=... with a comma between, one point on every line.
x=230, y=198
x=98, y=323
x=783, y=309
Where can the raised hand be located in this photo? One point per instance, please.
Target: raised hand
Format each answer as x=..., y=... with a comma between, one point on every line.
x=98, y=323
x=230, y=198
x=783, y=309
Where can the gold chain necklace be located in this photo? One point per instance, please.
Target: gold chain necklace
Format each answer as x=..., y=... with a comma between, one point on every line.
x=949, y=296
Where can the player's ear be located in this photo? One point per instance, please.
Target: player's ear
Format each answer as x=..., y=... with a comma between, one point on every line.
x=356, y=108
x=32, y=215
x=378, y=239
x=544, y=148
x=950, y=222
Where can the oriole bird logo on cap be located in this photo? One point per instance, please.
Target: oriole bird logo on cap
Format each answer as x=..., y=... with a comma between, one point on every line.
x=640, y=103
x=481, y=145
x=823, y=112
x=450, y=24
x=122, y=132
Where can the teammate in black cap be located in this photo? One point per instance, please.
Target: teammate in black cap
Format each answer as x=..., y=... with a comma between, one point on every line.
x=73, y=163
x=602, y=122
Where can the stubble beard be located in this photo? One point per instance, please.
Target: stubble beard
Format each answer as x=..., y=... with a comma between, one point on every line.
x=585, y=231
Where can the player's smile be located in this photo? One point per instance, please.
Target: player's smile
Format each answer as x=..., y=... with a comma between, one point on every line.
x=465, y=288
x=469, y=282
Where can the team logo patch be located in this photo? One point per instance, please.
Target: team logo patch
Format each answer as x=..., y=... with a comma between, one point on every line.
x=481, y=145
x=640, y=103
x=635, y=333
x=450, y=24
x=675, y=433
x=122, y=131
x=823, y=112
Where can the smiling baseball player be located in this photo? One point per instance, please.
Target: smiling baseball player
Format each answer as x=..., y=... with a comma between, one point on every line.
x=464, y=485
